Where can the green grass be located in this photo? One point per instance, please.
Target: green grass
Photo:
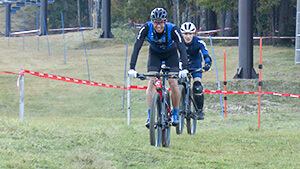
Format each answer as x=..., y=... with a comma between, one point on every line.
x=69, y=125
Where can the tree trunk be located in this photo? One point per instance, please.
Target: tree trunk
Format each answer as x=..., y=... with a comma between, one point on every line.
x=228, y=23
x=222, y=17
x=203, y=19
x=176, y=12
x=90, y=6
x=186, y=13
x=78, y=12
x=257, y=28
x=189, y=12
x=287, y=24
x=212, y=20
x=272, y=23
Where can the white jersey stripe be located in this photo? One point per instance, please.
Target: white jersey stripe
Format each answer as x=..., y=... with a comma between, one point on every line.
x=141, y=30
x=178, y=35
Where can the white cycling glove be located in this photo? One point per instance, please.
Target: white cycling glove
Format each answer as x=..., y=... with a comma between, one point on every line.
x=180, y=65
x=132, y=73
x=183, y=73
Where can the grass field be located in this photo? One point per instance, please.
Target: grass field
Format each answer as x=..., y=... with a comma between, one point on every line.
x=69, y=125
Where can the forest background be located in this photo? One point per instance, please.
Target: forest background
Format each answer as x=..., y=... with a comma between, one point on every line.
x=270, y=17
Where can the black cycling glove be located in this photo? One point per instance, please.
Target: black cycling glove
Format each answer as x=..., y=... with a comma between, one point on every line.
x=206, y=67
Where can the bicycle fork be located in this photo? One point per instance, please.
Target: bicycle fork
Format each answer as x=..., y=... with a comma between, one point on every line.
x=165, y=105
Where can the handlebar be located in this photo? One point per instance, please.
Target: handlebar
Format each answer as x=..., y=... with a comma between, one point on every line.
x=194, y=70
x=158, y=75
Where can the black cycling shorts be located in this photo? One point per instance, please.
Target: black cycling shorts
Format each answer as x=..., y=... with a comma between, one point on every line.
x=155, y=59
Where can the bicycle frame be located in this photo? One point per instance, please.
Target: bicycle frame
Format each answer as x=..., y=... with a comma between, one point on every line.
x=187, y=113
x=188, y=96
x=161, y=88
x=161, y=124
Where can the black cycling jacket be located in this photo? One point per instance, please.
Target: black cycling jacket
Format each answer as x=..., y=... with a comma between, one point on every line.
x=175, y=36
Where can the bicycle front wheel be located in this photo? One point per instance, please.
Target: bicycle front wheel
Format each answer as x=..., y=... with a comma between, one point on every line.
x=182, y=110
x=155, y=111
x=166, y=132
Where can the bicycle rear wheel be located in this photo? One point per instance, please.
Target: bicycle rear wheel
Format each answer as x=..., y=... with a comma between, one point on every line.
x=182, y=110
x=155, y=126
x=191, y=120
x=166, y=132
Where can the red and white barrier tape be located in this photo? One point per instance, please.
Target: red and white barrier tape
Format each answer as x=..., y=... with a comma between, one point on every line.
x=138, y=87
x=281, y=94
x=72, y=80
x=210, y=32
x=9, y=73
x=85, y=82
x=18, y=81
x=35, y=32
x=228, y=92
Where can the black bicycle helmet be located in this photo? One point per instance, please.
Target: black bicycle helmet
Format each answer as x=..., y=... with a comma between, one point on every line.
x=159, y=14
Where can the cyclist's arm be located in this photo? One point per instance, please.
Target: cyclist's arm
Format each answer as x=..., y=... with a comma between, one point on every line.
x=176, y=36
x=138, y=45
x=207, y=58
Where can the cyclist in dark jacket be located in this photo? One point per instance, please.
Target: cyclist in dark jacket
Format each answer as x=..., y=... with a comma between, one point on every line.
x=193, y=46
x=164, y=38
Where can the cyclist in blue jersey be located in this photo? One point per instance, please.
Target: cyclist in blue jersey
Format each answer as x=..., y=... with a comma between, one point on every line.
x=164, y=38
x=193, y=47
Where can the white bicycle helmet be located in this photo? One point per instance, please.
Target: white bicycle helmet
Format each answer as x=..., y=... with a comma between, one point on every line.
x=159, y=14
x=188, y=27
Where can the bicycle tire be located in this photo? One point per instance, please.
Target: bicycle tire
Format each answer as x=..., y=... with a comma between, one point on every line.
x=181, y=111
x=191, y=126
x=154, y=127
x=166, y=132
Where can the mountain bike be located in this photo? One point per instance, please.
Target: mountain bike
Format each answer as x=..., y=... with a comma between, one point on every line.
x=160, y=110
x=187, y=105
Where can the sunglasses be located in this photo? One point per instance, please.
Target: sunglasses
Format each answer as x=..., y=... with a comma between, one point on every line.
x=159, y=22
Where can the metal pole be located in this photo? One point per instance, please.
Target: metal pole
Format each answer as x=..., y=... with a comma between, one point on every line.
x=106, y=23
x=219, y=87
x=37, y=27
x=297, y=46
x=44, y=4
x=128, y=101
x=21, y=100
x=46, y=33
x=86, y=58
x=23, y=30
x=246, y=70
x=260, y=83
x=63, y=31
x=8, y=19
x=125, y=74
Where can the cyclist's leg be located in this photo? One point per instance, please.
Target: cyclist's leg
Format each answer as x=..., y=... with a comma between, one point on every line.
x=175, y=95
x=198, y=97
x=198, y=88
x=151, y=89
x=173, y=62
